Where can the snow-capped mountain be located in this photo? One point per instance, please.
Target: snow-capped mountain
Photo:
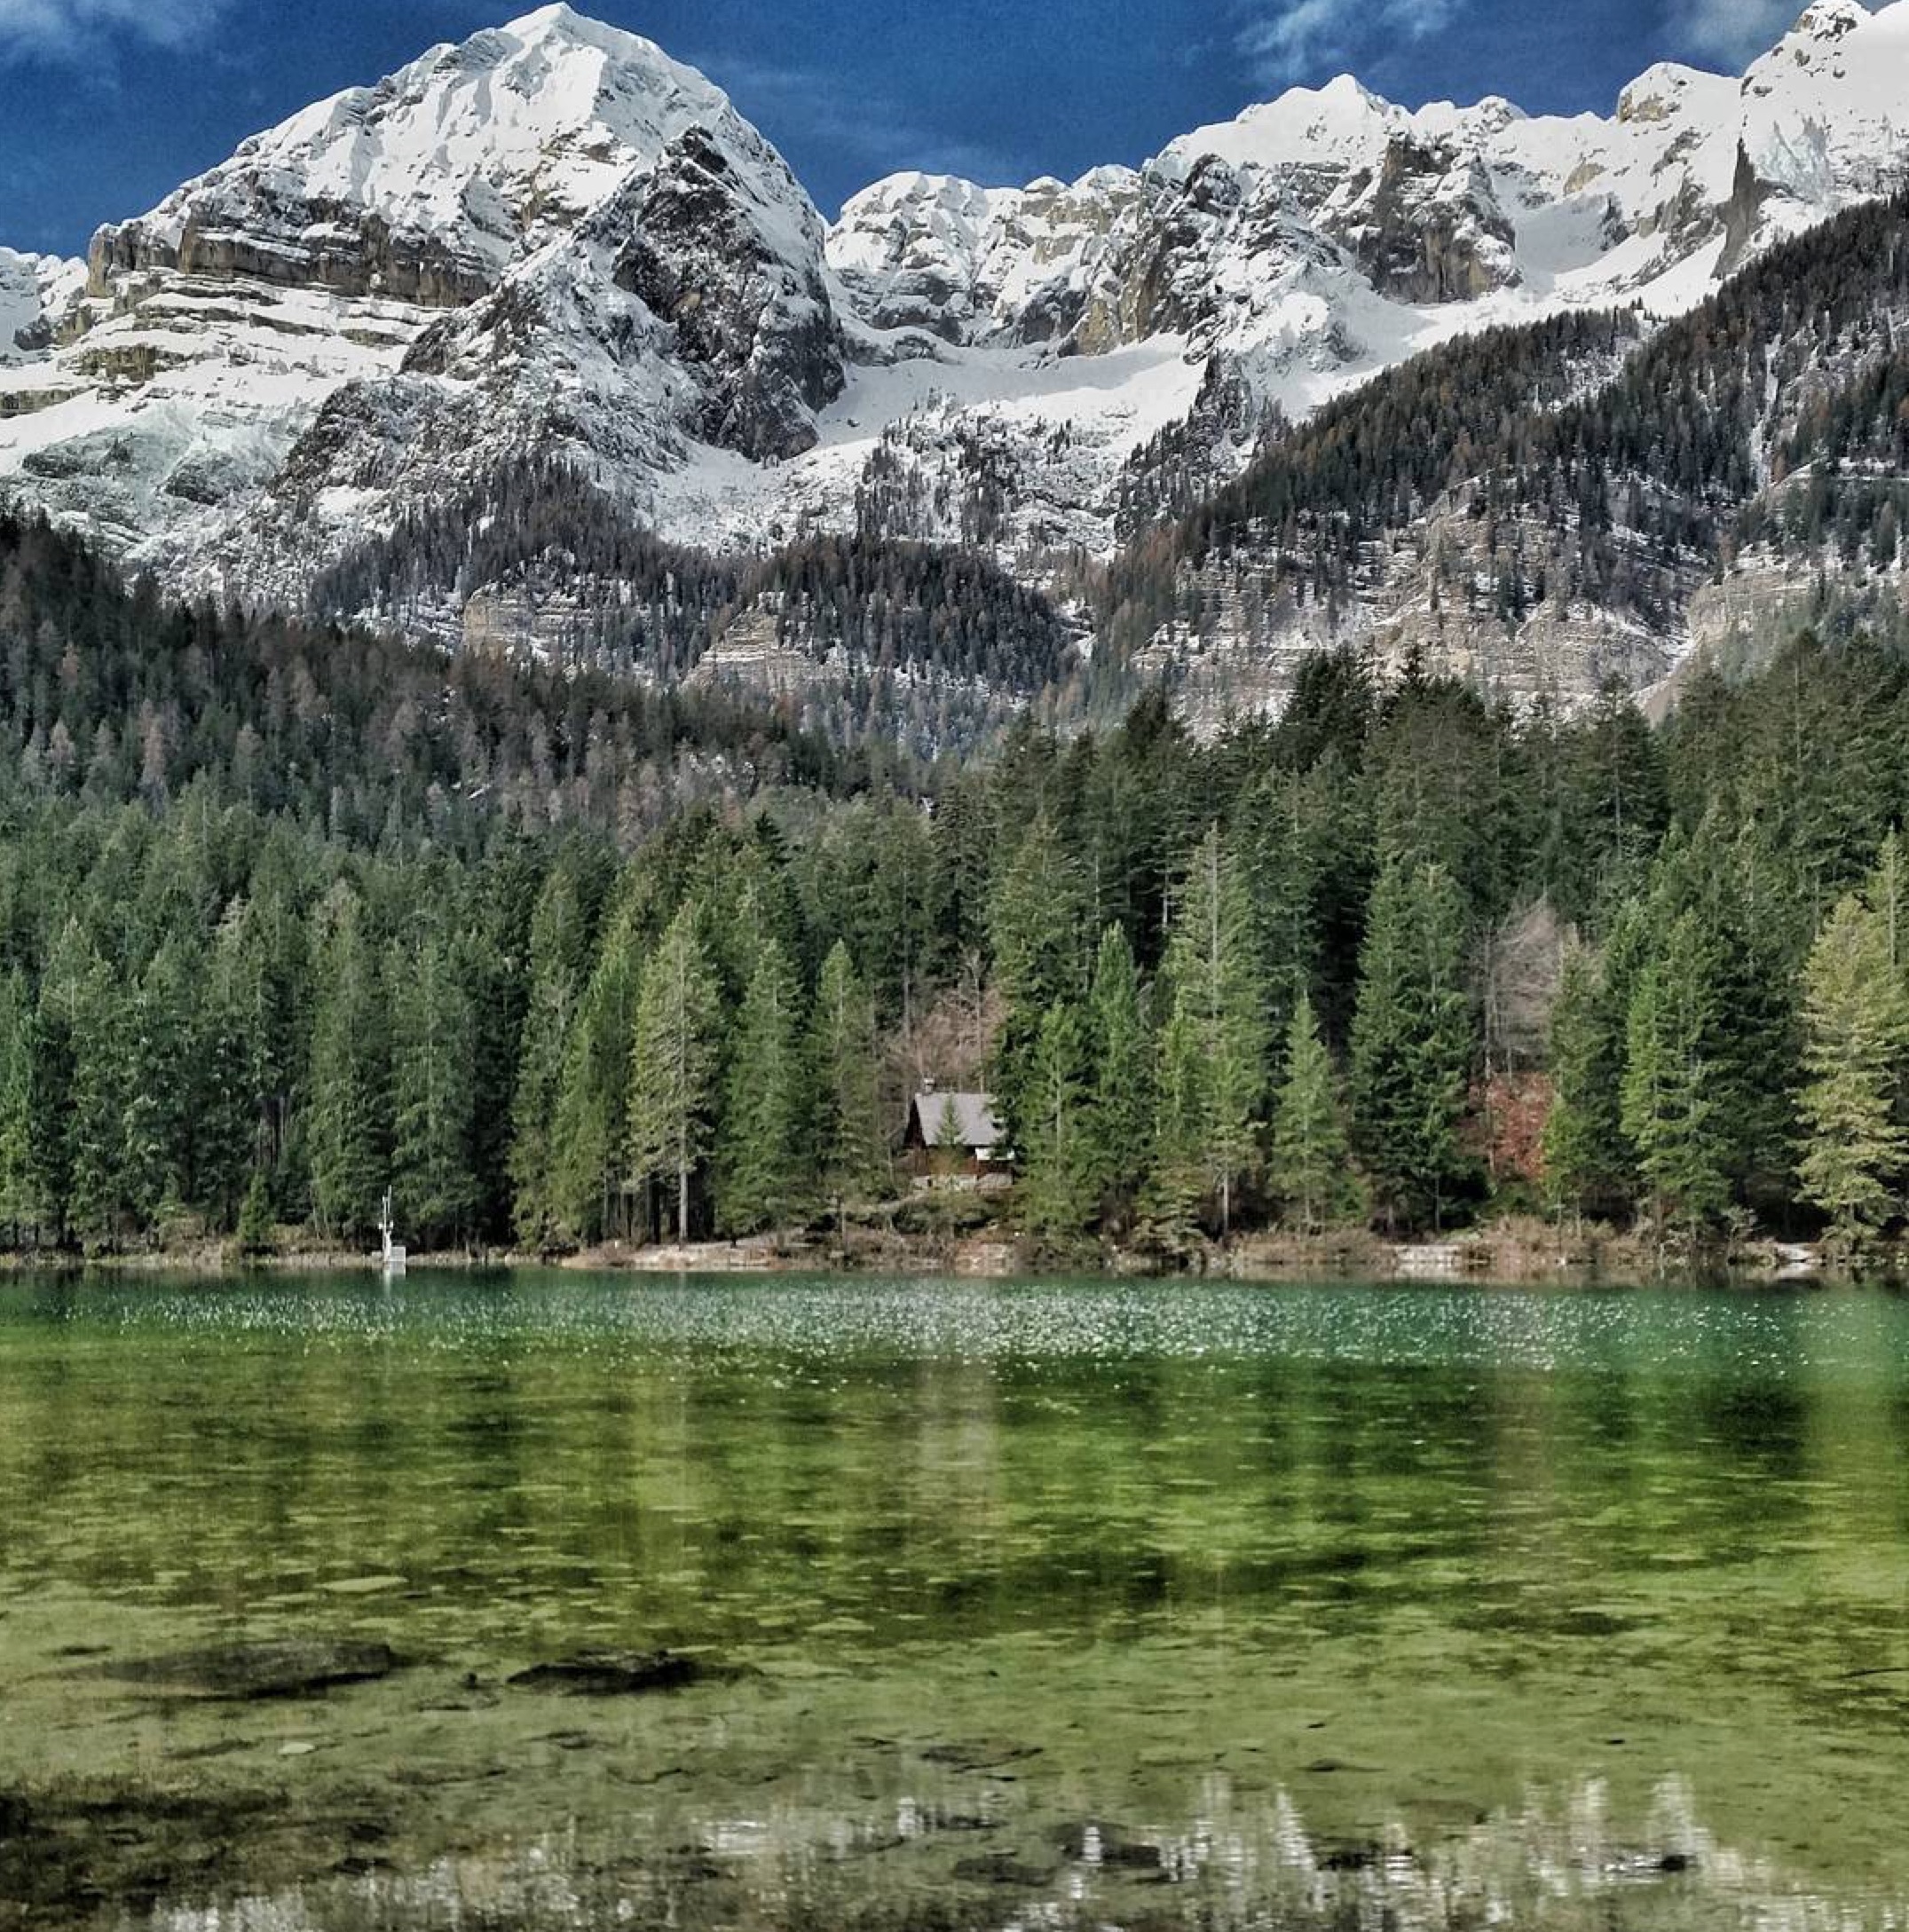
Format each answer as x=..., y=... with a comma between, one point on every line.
x=551, y=225
x=554, y=240
x=35, y=291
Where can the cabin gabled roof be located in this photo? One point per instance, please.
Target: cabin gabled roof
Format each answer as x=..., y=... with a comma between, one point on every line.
x=980, y=1130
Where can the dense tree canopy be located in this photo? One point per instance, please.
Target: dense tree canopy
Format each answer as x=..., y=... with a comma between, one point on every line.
x=264, y=953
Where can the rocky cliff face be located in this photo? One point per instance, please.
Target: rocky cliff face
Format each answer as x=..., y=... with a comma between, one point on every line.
x=746, y=297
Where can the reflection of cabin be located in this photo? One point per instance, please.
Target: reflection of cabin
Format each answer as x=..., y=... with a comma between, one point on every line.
x=954, y=1140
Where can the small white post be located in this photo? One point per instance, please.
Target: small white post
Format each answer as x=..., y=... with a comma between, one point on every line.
x=394, y=1255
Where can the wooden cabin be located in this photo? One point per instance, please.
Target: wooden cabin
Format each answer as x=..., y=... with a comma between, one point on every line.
x=955, y=1138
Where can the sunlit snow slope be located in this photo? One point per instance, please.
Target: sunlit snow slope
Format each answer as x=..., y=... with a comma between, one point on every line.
x=555, y=240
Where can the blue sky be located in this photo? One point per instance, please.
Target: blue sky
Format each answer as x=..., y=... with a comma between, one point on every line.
x=106, y=105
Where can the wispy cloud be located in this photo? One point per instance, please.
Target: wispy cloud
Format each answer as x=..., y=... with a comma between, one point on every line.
x=1730, y=33
x=793, y=103
x=1291, y=39
x=69, y=30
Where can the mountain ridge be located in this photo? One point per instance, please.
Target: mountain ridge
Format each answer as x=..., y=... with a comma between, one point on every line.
x=554, y=243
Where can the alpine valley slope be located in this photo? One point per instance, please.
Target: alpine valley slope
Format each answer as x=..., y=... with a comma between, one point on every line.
x=553, y=243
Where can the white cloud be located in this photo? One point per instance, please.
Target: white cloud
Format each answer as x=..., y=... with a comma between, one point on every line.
x=71, y=29
x=806, y=104
x=1732, y=33
x=1286, y=41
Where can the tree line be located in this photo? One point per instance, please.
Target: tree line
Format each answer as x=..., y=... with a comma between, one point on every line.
x=1402, y=957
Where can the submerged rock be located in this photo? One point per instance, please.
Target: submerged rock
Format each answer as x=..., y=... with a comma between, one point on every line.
x=1002, y=1868
x=292, y=1667
x=616, y=1674
x=977, y=1755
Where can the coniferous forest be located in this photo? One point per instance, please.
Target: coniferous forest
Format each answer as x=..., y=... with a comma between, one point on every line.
x=558, y=960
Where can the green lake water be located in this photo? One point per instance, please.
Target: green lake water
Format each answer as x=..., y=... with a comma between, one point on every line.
x=1020, y=1606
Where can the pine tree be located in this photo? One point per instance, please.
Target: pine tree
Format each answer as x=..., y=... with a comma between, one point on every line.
x=674, y=1066
x=347, y=1129
x=230, y=1104
x=163, y=1091
x=55, y=1126
x=21, y=1203
x=590, y=1128
x=948, y=1134
x=96, y=1205
x=1856, y=1020
x=765, y=1167
x=1176, y=1170
x=1412, y=1046
x=1119, y=1117
x=1283, y=864
x=849, y=1136
x=1588, y=1165
x=254, y=1235
x=1671, y=1111
x=1057, y=1183
x=1034, y=926
x=1888, y=892
x=433, y=1090
x=1213, y=968
x=559, y=973
x=1309, y=1154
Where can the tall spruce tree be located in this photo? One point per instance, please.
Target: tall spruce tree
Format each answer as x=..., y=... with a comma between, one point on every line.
x=163, y=1079
x=1309, y=1171
x=1856, y=1022
x=765, y=1166
x=1176, y=1170
x=1671, y=1100
x=852, y=1147
x=1120, y=1053
x=589, y=1176
x=1412, y=1047
x=1057, y=1174
x=230, y=1102
x=558, y=977
x=675, y=1066
x=1034, y=925
x=91, y=1008
x=22, y=1207
x=347, y=1126
x=65, y=997
x=1590, y=1168
x=434, y=1069
x=1213, y=969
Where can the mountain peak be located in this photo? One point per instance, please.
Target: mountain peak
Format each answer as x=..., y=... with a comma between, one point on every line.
x=562, y=24
x=430, y=183
x=1824, y=22
x=560, y=17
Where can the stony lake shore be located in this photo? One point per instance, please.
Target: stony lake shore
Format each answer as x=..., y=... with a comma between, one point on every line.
x=1522, y=1252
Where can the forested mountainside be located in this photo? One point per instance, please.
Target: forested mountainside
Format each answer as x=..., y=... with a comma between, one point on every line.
x=861, y=637
x=546, y=954
x=116, y=694
x=1546, y=507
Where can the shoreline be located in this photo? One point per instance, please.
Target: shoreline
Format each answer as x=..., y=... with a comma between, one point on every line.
x=1510, y=1254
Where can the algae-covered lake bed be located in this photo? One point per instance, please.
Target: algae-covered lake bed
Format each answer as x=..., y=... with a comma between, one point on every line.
x=538, y=1600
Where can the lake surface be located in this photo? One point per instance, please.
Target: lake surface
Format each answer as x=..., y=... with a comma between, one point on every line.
x=1034, y=1606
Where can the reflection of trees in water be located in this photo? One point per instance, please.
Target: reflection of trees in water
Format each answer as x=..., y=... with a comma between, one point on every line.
x=1241, y=1865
